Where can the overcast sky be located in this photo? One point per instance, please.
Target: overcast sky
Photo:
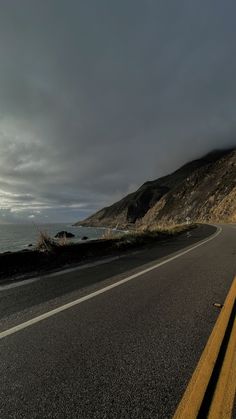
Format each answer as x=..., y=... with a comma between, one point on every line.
x=98, y=96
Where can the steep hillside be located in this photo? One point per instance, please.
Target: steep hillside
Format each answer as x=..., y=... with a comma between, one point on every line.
x=208, y=194
x=203, y=190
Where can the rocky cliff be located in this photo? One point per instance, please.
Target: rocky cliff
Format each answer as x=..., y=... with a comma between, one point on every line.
x=203, y=190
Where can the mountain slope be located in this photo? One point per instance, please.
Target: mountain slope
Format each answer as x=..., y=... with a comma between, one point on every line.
x=208, y=194
x=204, y=190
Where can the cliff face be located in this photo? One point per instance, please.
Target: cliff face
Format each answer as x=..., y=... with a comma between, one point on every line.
x=203, y=190
x=208, y=194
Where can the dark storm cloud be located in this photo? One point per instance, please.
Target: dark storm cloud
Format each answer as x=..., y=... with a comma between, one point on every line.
x=96, y=97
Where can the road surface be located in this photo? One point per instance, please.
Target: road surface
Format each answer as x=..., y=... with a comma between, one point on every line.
x=126, y=351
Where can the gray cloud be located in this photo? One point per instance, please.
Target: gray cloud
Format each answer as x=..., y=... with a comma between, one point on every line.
x=98, y=97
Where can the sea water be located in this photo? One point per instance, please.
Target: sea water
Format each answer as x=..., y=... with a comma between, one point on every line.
x=15, y=237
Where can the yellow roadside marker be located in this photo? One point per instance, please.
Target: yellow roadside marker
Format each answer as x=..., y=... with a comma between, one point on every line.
x=211, y=390
x=222, y=403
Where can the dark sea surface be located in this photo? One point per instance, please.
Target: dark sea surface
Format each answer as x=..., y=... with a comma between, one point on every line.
x=15, y=237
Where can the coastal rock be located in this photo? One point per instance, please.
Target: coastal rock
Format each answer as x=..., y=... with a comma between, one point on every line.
x=84, y=238
x=62, y=234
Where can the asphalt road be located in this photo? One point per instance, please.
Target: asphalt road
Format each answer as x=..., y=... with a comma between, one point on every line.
x=127, y=352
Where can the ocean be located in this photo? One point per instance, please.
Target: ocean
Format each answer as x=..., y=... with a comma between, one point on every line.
x=15, y=237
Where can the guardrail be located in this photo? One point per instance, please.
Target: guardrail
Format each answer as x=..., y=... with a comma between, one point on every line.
x=211, y=390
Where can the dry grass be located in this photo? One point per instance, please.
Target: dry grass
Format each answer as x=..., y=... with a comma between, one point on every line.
x=121, y=240
x=63, y=241
x=111, y=234
x=45, y=243
x=169, y=229
x=108, y=234
x=146, y=235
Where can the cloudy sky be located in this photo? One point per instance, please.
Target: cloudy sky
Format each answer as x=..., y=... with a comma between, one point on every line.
x=98, y=96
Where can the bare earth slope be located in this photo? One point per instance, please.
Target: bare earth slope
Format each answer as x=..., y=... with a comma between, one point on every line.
x=204, y=190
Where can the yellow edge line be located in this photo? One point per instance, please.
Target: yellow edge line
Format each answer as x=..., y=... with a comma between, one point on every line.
x=223, y=399
x=194, y=393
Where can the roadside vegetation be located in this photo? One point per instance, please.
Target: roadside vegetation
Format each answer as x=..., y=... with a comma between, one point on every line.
x=46, y=243
x=53, y=253
x=119, y=240
x=146, y=235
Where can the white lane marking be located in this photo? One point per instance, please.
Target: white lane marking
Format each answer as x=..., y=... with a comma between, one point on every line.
x=57, y=310
x=20, y=283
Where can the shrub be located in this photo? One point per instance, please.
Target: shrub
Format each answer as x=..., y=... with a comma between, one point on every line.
x=45, y=243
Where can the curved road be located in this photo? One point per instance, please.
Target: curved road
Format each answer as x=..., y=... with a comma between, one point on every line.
x=127, y=351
